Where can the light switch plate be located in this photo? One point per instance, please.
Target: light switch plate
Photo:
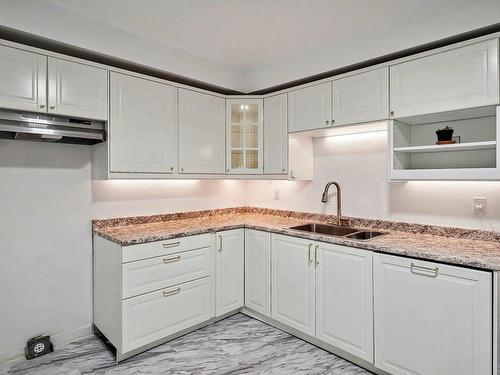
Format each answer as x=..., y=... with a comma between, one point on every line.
x=276, y=195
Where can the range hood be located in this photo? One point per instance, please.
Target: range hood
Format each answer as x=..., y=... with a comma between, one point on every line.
x=41, y=127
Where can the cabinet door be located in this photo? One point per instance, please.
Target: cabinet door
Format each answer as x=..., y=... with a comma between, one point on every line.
x=201, y=133
x=293, y=282
x=77, y=90
x=23, y=80
x=461, y=78
x=244, y=138
x=153, y=316
x=344, y=299
x=229, y=271
x=258, y=271
x=275, y=135
x=431, y=318
x=310, y=107
x=143, y=125
x=362, y=97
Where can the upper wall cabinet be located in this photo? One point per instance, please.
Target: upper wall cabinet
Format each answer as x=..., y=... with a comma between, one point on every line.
x=310, y=107
x=142, y=125
x=461, y=78
x=361, y=97
x=23, y=80
x=77, y=90
x=275, y=135
x=244, y=138
x=73, y=89
x=201, y=133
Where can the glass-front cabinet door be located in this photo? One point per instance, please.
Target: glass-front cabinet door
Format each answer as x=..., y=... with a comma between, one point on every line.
x=244, y=139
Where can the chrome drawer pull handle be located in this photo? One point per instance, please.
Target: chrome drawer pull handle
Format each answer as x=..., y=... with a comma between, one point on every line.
x=316, y=261
x=309, y=253
x=414, y=267
x=171, y=244
x=220, y=244
x=172, y=260
x=171, y=292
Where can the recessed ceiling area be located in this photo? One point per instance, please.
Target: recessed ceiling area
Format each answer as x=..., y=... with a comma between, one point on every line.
x=266, y=43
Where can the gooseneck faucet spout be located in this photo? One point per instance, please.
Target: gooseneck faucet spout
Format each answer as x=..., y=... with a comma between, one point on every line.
x=324, y=199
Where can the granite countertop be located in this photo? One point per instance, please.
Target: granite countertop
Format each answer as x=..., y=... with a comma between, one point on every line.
x=452, y=245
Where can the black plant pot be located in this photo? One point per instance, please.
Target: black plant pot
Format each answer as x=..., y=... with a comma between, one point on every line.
x=444, y=134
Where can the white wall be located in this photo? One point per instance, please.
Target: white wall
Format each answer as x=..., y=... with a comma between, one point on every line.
x=47, y=200
x=385, y=28
x=359, y=163
x=43, y=20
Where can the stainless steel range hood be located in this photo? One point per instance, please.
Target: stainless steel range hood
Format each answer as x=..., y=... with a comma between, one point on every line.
x=41, y=127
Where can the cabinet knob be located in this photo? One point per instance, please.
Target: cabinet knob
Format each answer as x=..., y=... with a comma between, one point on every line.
x=182, y=169
x=327, y=122
x=392, y=113
x=283, y=170
x=333, y=122
x=291, y=175
x=171, y=168
x=42, y=105
x=227, y=170
x=52, y=107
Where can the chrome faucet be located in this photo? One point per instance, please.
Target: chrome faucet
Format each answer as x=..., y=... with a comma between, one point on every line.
x=324, y=199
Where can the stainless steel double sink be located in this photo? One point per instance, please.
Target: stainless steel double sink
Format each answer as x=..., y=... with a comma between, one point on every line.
x=338, y=231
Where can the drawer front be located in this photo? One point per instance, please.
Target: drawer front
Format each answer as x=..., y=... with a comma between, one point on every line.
x=161, y=272
x=153, y=316
x=159, y=248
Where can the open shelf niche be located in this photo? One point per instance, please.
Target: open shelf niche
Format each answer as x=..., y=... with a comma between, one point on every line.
x=414, y=154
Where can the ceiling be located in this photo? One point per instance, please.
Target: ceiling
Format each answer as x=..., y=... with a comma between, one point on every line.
x=250, y=34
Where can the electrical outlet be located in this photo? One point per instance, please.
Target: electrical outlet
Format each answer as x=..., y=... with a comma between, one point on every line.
x=276, y=195
x=479, y=205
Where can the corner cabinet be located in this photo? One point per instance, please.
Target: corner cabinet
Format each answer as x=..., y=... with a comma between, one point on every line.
x=229, y=279
x=142, y=125
x=258, y=271
x=461, y=78
x=244, y=136
x=201, y=132
x=275, y=135
x=431, y=318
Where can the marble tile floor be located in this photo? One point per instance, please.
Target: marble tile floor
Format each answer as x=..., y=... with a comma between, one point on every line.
x=236, y=345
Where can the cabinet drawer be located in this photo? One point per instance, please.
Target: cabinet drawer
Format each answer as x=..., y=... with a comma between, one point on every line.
x=156, y=315
x=158, y=248
x=164, y=271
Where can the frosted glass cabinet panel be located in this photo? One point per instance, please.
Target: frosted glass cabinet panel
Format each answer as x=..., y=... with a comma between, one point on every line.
x=244, y=127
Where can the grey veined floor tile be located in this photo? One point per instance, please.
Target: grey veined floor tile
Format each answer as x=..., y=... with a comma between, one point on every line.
x=236, y=345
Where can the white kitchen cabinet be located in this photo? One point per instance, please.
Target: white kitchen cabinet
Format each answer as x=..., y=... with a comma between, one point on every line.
x=150, y=317
x=463, y=77
x=143, y=125
x=275, y=135
x=293, y=282
x=258, y=271
x=77, y=90
x=362, y=97
x=344, y=298
x=23, y=78
x=229, y=277
x=201, y=132
x=431, y=319
x=310, y=107
x=244, y=136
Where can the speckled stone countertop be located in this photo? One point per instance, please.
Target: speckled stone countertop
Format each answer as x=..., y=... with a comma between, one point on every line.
x=473, y=248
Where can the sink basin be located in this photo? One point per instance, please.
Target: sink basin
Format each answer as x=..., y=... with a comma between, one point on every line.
x=364, y=235
x=338, y=231
x=332, y=230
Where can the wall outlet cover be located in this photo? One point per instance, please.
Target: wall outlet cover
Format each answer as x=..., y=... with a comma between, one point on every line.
x=479, y=205
x=37, y=346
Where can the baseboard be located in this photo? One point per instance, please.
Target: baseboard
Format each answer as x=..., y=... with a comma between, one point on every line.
x=58, y=340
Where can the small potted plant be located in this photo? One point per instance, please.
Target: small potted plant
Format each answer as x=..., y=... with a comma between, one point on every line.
x=445, y=135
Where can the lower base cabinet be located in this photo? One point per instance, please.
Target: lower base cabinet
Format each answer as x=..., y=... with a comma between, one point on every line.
x=293, y=282
x=431, y=319
x=258, y=271
x=344, y=298
x=152, y=316
x=229, y=273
